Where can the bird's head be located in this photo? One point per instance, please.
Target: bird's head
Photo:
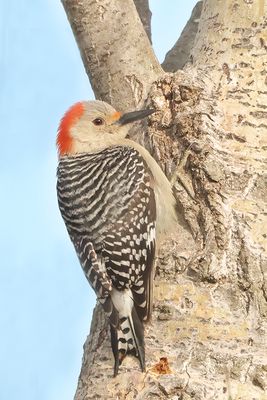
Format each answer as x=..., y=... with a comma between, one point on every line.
x=93, y=125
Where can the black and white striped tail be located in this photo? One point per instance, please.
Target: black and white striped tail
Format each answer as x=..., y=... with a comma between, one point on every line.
x=128, y=338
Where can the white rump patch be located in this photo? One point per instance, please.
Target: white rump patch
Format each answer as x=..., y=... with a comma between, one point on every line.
x=123, y=302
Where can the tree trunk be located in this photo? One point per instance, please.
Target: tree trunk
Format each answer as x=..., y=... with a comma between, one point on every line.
x=208, y=336
x=179, y=55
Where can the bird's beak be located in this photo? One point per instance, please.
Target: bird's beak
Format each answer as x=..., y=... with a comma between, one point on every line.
x=134, y=116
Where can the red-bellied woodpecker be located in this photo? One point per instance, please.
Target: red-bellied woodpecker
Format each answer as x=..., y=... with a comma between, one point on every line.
x=116, y=203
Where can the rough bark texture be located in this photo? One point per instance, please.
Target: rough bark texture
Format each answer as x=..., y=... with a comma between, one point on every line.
x=210, y=308
x=115, y=49
x=178, y=56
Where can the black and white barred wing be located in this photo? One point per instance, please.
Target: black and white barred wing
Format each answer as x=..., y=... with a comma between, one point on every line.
x=129, y=245
x=95, y=272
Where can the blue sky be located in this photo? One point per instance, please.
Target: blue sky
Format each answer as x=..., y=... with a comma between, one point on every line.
x=45, y=302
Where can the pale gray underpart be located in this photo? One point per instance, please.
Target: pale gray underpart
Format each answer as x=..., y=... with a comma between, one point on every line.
x=179, y=55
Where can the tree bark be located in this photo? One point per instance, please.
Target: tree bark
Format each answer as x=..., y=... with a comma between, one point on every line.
x=179, y=55
x=209, y=324
x=145, y=14
x=115, y=50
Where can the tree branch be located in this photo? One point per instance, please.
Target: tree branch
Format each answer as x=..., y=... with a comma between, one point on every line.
x=212, y=44
x=177, y=57
x=115, y=50
x=145, y=14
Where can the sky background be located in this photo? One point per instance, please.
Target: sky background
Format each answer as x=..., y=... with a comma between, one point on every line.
x=45, y=302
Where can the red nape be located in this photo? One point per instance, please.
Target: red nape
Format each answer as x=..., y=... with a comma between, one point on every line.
x=64, y=140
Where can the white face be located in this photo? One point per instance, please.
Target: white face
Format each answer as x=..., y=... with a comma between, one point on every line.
x=97, y=128
x=94, y=125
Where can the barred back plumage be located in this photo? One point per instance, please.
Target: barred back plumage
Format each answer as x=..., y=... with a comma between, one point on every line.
x=107, y=202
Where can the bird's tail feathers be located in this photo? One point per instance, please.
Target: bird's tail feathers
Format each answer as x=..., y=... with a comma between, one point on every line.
x=128, y=338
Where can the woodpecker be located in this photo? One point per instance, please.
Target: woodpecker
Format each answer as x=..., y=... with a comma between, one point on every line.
x=117, y=204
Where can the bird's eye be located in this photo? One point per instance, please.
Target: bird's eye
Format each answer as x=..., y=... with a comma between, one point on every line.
x=98, y=121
